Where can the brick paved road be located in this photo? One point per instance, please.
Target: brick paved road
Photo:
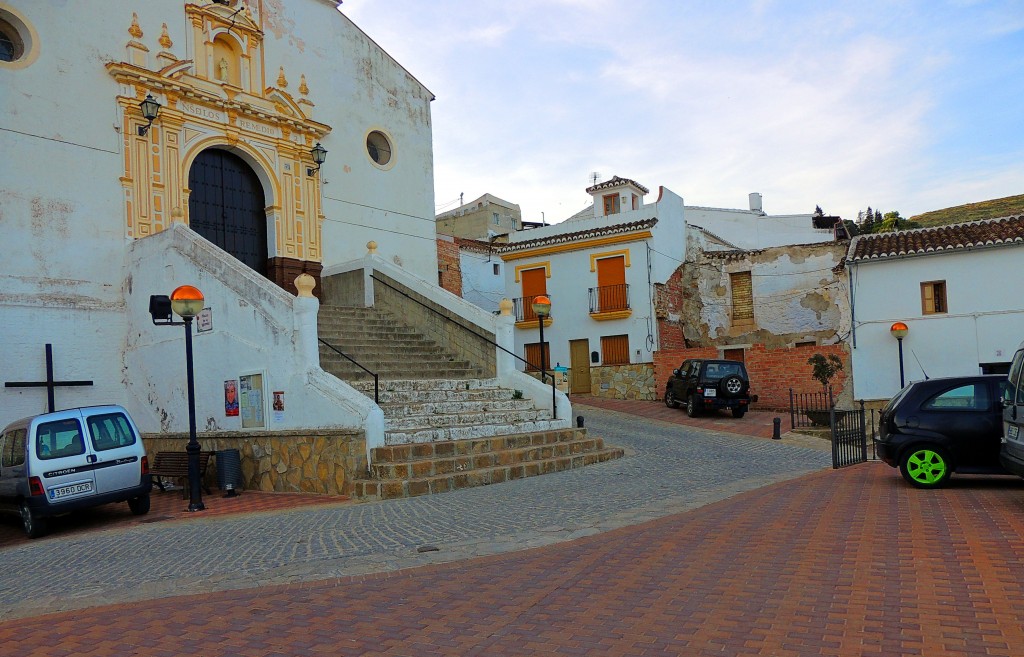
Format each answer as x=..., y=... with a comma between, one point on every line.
x=847, y=563
x=669, y=468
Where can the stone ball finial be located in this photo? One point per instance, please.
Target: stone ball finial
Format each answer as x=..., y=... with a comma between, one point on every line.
x=505, y=306
x=305, y=283
x=371, y=246
x=177, y=216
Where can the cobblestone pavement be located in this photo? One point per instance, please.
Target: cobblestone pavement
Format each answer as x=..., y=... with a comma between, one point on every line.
x=668, y=469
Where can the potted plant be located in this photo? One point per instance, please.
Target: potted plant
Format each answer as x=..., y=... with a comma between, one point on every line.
x=823, y=370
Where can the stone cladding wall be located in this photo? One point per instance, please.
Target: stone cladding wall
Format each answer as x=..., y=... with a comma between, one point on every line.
x=316, y=461
x=624, y=381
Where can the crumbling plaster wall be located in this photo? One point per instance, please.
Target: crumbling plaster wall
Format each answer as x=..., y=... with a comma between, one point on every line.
x=798, y=296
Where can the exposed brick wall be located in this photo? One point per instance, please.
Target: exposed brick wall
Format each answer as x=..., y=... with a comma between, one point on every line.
x=772, y=371
x=448, y=264
x=668, y=305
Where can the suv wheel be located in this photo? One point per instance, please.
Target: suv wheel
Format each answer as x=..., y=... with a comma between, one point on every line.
x=692, y=409
x=670, y=399
x=733, y=386
x=738, y=412
x=33, y=525
x=925, y=466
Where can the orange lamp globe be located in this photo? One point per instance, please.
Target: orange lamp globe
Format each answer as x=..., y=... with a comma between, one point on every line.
x=187, y=301
x=541, y=305
x=899, y=330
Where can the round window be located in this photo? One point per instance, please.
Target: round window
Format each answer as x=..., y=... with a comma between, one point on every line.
x=378, y=147
x=12, y=47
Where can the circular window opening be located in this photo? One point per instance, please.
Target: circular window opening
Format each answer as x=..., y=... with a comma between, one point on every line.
x=12, y=47
x=378, y=147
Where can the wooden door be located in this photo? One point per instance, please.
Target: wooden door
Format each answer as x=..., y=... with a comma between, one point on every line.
x=579, y=365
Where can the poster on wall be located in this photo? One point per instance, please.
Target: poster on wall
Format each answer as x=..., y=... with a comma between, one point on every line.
x=251, y=400
x=278, y=406
x=231, y=398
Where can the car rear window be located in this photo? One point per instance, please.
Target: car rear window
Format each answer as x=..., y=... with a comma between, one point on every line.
x=110, y=431
x=896, y=399
x=59, y=439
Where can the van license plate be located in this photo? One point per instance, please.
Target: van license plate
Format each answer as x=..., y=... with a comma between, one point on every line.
x=68, y=491
x=1012, y=431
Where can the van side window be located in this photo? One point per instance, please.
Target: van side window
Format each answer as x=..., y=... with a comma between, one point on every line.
x=14, y=448
x=110, y=431
x=1015, y=392
x=59, y=439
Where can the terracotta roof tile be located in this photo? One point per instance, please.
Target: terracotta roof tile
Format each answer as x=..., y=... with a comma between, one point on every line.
x=955, y=237
x=615, y=182
x=563, y=238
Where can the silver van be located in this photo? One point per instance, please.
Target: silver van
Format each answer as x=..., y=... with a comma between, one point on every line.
x=1012, y=454
x=59, y=462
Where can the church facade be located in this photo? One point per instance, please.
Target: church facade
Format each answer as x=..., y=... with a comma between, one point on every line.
x=283, y=138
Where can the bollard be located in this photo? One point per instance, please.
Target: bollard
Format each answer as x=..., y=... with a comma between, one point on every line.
x=776, y=432
x=579, y=421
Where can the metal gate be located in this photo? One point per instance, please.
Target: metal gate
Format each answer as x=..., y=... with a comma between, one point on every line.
x=849, y=436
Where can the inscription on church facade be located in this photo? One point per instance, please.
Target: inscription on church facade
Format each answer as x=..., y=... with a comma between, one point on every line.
x=203, y=112
x=262, y=129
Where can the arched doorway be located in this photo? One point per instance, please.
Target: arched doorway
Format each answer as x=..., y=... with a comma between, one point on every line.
x=226, y=206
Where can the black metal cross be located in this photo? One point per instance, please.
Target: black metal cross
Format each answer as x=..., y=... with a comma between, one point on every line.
x=49, y=383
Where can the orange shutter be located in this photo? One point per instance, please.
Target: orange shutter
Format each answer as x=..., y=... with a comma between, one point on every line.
x=615, y=350
x=611, y=284
x=535, y=283
x=533, y=356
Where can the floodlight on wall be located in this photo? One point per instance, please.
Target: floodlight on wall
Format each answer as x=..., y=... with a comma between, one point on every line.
x=319, y=155
x=150, y=109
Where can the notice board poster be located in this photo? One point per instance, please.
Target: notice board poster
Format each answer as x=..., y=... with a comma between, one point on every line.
x=250, y=401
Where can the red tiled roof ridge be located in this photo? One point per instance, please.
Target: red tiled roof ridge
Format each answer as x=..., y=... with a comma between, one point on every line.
x=615, y=182
x=581, y=234
x=934, y=239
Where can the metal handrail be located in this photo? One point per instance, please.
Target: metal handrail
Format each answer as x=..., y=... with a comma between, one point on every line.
x=554, y=406
x=376, y=381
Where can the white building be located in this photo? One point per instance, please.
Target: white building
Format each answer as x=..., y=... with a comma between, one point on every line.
x=483, y=274
x=957, y=289
x=96, y=198
x=597, y=272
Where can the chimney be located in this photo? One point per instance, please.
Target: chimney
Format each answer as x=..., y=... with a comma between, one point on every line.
x=755, y=202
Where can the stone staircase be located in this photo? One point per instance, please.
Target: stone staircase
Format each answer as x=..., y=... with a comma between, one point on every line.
x=382, y=344
x=444, y=426
x=424, y=468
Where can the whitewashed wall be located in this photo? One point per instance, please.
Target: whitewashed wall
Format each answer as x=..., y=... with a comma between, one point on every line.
x=571, y=279
x=984, y=324
x=750, y=230
x=480, y=285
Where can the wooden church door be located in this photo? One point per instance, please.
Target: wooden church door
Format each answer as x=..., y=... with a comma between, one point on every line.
x=227, y=206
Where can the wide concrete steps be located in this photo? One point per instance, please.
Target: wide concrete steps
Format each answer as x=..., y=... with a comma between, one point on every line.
x=438, y=410
x=419, y=469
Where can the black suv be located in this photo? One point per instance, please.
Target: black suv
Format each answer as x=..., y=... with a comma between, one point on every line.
x=709, y=385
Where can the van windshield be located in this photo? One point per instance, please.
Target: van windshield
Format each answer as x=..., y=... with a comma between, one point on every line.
x=55, y=440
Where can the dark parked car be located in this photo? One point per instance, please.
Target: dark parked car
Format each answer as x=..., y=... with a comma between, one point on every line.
x=934, y=428
x=708, y=384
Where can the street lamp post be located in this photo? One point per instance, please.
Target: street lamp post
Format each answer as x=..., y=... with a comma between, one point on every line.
x=542, y=307
x=899, y=331
x=186, y=302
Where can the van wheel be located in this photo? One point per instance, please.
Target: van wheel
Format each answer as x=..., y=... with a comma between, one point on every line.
x=692, y=409
x=670, y=399
x=738, y=412
x=33, y=525
x=139, y=505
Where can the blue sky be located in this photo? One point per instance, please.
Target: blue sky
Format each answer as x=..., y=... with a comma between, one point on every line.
x=909, y=105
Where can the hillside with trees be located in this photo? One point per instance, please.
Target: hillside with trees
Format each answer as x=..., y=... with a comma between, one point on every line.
x=1000, y=207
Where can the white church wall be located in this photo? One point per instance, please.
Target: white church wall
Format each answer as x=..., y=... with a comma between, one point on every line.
x=254, y=331
x=357, y=88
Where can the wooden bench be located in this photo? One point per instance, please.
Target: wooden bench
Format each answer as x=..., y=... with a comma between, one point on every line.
x=174, y=465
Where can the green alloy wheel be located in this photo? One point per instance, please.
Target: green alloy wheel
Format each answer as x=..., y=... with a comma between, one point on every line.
x=925, y=467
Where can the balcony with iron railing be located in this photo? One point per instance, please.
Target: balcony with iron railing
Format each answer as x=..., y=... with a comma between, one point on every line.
x=610, y=302
x=522, y=309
